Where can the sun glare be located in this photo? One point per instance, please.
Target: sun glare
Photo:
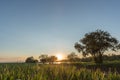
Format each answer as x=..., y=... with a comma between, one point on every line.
x=59, y=56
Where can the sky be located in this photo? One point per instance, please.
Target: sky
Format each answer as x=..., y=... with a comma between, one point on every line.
x=34, y=27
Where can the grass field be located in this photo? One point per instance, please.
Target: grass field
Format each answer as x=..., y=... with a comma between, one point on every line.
x=22, y=71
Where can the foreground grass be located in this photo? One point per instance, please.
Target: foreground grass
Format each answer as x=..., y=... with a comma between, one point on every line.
x=52, y=72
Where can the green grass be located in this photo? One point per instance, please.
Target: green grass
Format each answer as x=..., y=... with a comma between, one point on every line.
x=53, y=72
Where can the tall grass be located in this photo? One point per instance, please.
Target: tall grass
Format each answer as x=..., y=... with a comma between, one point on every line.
x=52, y=72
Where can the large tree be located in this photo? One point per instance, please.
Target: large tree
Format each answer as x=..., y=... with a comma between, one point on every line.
x=96, y=43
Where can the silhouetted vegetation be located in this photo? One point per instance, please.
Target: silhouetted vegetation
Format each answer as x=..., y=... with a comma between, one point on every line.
x=112, y=57
x=96, y=43
x=31, y=60
x=43, y=58
x=52, y=59
x=72, y=57
x=47, y=59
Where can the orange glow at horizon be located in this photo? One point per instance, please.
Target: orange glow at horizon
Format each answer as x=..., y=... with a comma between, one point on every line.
x=59, y=56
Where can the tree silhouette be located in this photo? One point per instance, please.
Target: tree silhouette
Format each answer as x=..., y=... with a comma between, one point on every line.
x=43, y=58
x=52, y=59
x=73, y=57
x=96, y=43
x=31, y=60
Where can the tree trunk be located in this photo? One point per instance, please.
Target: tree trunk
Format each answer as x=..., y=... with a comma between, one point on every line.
x=98, y=59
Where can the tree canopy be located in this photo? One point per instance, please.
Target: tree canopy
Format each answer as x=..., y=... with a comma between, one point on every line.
x=52, y=59
x=96, y=43
x=43, y=58
x=73, y=57
x=31, y=60
x=47, y=59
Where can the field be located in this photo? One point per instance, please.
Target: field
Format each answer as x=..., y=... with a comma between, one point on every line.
x=76, y=71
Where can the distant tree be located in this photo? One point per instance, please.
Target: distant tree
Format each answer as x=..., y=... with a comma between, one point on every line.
x=73, y=57
x=35, y=61
x=31, y=60
x=52, y=59
x=96, y=43
x=43, y=58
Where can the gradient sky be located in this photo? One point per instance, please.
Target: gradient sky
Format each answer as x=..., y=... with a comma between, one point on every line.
x=34, y=27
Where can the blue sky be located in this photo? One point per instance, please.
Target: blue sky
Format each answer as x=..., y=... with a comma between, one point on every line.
x=34, y=27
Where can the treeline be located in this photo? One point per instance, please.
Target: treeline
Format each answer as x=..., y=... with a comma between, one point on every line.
x=42, y=59
x=112, y=57
x=72, y=57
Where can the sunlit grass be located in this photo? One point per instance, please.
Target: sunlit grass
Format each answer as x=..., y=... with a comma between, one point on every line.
x=52, y=72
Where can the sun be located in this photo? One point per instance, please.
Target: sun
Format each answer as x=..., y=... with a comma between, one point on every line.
x=59, y=56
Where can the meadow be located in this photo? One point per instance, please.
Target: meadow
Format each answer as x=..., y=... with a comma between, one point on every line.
x=74, y=71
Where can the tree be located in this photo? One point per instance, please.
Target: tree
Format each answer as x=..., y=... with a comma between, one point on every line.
x=73, y=57
x=35, y=61
x=96, y=43
x=52, y=59
x=43, y=58
x=31, y=60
